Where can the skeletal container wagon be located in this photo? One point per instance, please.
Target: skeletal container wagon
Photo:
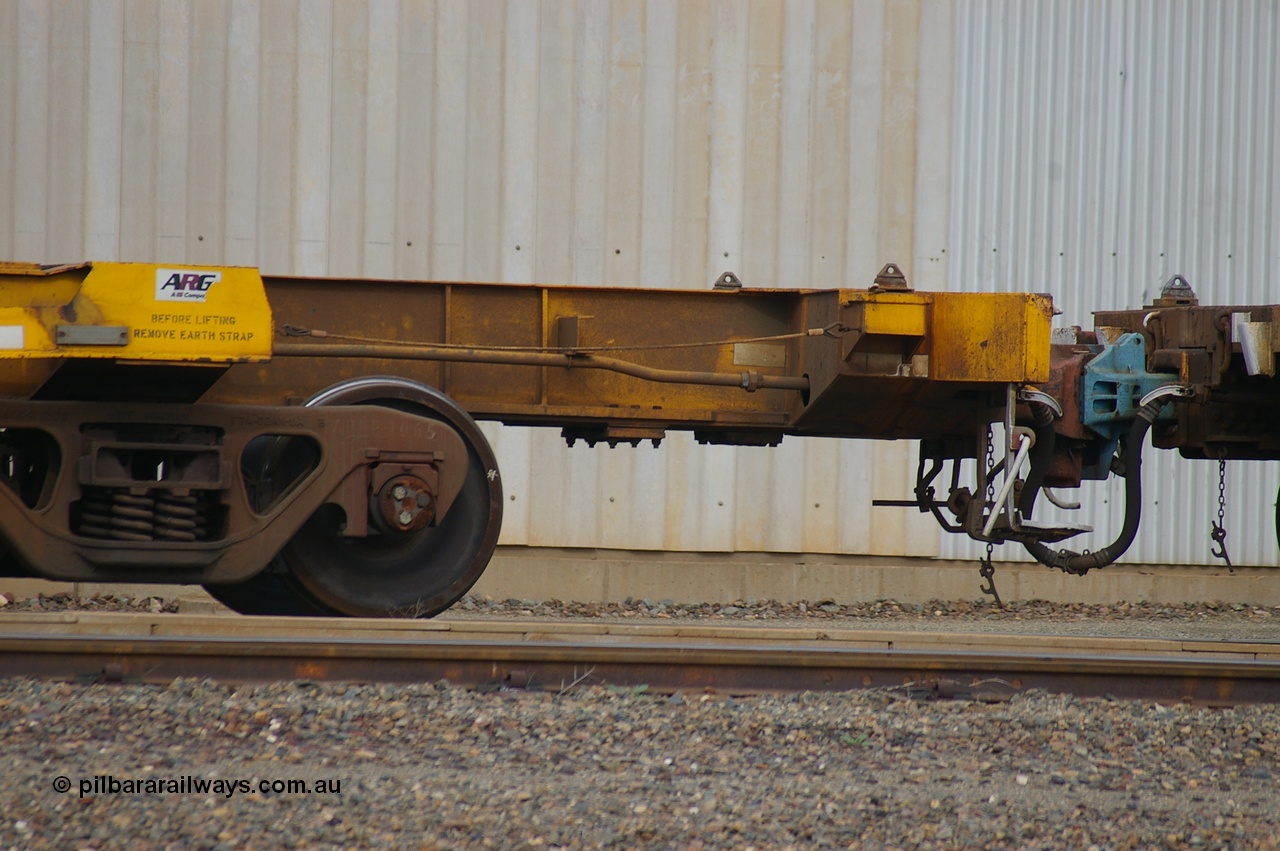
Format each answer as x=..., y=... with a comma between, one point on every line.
x=309, y=445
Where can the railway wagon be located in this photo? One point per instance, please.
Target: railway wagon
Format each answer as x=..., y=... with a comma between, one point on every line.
x=309, y=445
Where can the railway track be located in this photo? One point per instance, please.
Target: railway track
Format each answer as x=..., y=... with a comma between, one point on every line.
x=561, y=655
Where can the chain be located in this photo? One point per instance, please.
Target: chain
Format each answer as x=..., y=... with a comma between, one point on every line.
x=991, y=463
x=1218, y=531
x=986, y=569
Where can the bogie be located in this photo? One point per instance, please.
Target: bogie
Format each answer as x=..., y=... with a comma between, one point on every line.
x=415, y=572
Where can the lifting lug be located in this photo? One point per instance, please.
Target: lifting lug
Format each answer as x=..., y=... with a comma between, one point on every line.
x=891, y=279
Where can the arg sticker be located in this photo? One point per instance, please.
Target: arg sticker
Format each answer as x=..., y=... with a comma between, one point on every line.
x=184, y=284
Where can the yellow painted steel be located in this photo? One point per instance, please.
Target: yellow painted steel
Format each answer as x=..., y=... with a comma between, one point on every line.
x=990, y=337
x=134, y=311
x=972, y=337
x=898, y=317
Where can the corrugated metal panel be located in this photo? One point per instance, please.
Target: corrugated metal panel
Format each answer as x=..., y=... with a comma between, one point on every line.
x=1101, y=148
x=648, y=143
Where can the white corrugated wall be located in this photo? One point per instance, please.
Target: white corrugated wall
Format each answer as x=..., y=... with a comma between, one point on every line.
x=651, y=143
x=1099, y=149
x=1085, y=149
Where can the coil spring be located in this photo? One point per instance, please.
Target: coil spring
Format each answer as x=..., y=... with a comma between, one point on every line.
x=159, y=515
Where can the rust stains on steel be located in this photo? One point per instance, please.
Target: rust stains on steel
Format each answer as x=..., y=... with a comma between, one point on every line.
x=659, y=660
x=884, y=363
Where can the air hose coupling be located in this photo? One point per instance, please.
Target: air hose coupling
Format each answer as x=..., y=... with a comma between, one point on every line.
x=1081, y=563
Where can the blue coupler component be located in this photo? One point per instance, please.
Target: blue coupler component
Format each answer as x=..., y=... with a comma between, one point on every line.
x=1114, y=383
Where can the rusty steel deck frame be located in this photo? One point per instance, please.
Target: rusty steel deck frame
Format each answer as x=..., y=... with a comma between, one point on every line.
x=614, y=364
x=560, y=655
x=624, y=365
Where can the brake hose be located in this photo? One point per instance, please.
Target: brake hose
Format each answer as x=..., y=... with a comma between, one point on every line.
x=1081, y=563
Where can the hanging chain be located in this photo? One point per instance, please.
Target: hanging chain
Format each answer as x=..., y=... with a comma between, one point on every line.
x=986, y=569
x=1218, y=531
x=991, y=463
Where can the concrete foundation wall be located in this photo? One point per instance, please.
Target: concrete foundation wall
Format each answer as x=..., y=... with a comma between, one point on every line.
x=529, y=573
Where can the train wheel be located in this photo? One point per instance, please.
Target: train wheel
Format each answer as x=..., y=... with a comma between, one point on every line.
x=401, y=574
x=271, y=592
x=271, y=466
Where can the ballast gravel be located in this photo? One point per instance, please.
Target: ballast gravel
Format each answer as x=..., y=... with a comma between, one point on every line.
x=199, y=764
x=434, y=766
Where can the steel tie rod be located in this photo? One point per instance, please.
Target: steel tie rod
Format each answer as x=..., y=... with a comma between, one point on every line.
x=748, y=380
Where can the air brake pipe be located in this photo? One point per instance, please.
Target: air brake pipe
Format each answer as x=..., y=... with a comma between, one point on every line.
x=1082, y=563
x=749, y=380
x=1059, y=501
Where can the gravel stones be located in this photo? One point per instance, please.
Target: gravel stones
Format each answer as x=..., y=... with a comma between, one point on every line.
x=767, y=610
x=1212, y=620
x=590, y=766
x=64, y=601
x=880, y=611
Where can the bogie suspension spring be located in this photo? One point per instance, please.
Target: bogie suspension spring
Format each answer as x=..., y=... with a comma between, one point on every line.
x=158, y=515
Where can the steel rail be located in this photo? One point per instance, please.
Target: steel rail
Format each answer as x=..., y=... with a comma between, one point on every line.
x=557, y=656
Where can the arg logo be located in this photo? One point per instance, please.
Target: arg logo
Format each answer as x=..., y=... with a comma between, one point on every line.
x=184, y=284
